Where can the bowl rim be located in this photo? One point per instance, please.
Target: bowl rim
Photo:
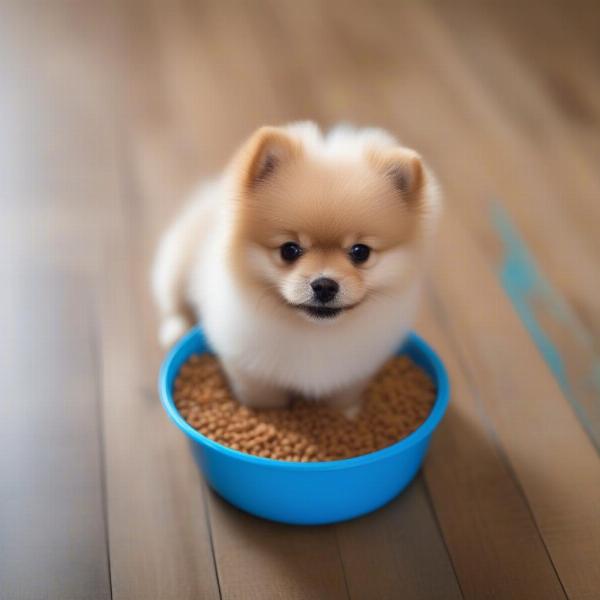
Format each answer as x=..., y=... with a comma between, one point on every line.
x=424, y=430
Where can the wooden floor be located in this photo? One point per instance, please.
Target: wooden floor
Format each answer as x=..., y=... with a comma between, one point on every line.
x=109, y=111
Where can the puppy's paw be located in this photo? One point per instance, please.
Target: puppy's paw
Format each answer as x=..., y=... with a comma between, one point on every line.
x=171, y=329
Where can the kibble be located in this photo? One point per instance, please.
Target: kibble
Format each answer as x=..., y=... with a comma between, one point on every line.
x=396, y=402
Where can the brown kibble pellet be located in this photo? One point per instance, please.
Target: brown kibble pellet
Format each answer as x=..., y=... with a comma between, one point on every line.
x=396, y=403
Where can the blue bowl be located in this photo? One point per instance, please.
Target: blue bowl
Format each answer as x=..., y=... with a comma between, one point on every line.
x=308, y=493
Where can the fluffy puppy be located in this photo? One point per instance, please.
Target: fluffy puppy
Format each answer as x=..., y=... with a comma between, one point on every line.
x=302, y=261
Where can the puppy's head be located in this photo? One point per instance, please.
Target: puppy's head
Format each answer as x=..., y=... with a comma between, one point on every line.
x=323, y=227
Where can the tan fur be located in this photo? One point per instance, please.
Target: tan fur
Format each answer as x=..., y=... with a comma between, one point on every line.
x=268, y=143
x=325, y=206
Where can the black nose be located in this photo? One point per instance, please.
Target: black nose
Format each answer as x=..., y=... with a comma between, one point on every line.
x=325, y=289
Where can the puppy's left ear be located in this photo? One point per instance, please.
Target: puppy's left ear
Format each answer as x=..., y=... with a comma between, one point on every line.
x=404, y=169
x=265, y=153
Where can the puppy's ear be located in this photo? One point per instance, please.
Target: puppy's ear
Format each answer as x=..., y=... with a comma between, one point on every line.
x=264, y=154
x=404, y=169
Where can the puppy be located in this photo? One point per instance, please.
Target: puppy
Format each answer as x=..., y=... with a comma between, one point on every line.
x=302, y=261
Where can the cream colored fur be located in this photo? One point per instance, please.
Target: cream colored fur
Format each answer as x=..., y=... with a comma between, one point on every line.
x=220, y=262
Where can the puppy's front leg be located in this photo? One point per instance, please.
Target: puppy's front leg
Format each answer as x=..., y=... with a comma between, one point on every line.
x=349, y=400
x=253, y=392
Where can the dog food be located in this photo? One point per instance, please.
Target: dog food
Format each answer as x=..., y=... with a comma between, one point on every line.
x=397, y=401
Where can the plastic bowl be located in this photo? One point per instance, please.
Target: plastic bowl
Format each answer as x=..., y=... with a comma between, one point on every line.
x=308, y=493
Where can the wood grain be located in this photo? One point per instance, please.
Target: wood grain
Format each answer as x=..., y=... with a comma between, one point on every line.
x=53, y=537
x=53, y=534
x=259, y=559
x=110, y=112
x=555, y=462
x=494, y=542
x=160, y=545
x=396, y=548
x=547, y=194
x=201, y=100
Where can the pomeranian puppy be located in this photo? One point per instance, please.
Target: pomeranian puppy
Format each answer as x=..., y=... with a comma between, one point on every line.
x=302, y=262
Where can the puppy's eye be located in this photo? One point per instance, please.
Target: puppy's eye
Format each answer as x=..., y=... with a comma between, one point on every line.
x=290, y=251
x=359, y=253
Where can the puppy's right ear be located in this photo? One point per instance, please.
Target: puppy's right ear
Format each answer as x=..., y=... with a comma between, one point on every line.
x=264, y=154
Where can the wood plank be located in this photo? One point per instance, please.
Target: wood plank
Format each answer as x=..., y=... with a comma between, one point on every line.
x=52, y=178
x=562, y=339
x=160, y=541
x=559, y=322
x=262, y=560
x=55, y=67
x=160, y=546
x=51, y=519
x=398, y=547
x=562, y=57
x=552, y=72
x=551, y=194
x=490, y=532
x=554, y=461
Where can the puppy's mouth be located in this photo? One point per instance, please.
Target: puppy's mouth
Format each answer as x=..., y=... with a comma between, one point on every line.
x=318, y=311
x=321, y=312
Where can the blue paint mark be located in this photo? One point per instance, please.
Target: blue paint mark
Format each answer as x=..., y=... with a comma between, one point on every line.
x=526, y=287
